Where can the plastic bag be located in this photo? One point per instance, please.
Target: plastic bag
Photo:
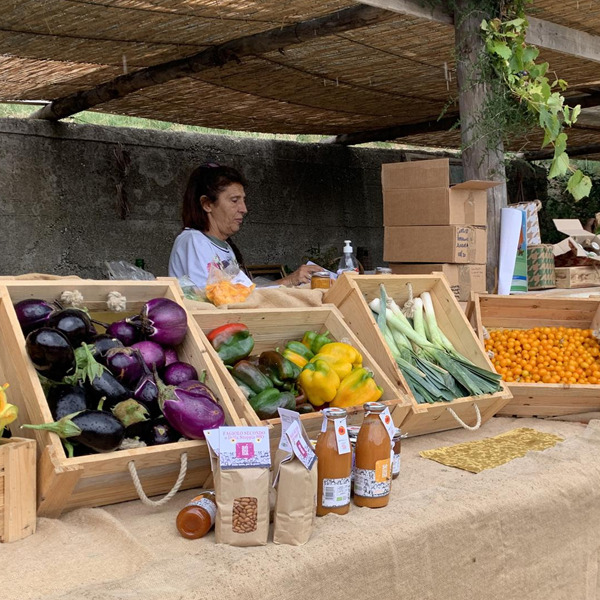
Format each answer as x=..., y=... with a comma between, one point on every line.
x=221, y=288
x=121, y=269
x=189, y=289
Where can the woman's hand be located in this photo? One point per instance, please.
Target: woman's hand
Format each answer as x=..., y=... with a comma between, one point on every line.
x=301, y=275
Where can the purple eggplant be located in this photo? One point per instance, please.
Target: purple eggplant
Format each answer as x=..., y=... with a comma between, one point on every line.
x=126, y=364
x=50, y=352
x=163, y=321
x=189, y=411
x=74, y=323
x=170, y=356
x=33, y=313
x=125, y=332
x=198, y=386
x=152, y=353
x=96, y=429
x=178, y=372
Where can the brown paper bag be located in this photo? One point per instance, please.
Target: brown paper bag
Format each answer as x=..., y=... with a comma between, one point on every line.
x=296, y=480
x=242, y=493
x=296, y=506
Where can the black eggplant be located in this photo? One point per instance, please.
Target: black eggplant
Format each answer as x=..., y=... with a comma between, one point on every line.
x=102, y=344
x=96, y=429
x=146, y=391
x=106, y=386
x=65, y=400
x=74, y=323
x=160, y=432
x=51, y=352
x=33, y=313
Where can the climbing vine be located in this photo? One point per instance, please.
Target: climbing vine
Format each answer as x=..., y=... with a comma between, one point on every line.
x=514, y=62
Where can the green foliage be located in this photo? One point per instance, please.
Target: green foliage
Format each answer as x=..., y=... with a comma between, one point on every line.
x=530, y=90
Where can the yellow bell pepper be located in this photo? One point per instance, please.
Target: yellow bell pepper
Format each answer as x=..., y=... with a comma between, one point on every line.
x=298, y=360
x=340, y=366
x=319, y=382
x=343, y=352
x=8, y=412
x=357, y=388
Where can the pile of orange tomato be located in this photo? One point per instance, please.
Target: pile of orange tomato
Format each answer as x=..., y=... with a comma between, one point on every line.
x=545, y=355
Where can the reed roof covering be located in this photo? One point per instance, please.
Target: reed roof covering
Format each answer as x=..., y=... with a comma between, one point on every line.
x=397, y=72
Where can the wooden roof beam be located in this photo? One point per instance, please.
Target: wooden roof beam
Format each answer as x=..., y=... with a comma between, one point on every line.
x=340, y=21
x=543, y=34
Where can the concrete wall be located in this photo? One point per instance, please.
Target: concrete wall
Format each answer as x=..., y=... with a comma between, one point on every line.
x=59, y=196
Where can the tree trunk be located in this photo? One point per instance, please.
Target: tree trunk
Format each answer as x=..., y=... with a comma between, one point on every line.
x=482, y=158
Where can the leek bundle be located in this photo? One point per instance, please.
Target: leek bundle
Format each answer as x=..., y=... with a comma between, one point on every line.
x=433, y=368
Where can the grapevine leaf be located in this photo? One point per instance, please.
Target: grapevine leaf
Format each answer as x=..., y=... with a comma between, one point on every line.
x=559, y=166
x=530, y=53
x=579, y=185
x=575, y=113
x=501, y=49
x=560, y=144
x=555, y=102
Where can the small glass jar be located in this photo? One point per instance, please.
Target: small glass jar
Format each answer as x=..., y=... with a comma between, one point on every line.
x=320, y=280
x=197, y=517
x=396, y=449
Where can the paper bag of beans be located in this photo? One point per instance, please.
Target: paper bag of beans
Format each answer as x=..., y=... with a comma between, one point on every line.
x=241, y=459
x=296, y=482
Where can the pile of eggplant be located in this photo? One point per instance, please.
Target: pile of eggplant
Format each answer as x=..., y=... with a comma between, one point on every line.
x=119, y=389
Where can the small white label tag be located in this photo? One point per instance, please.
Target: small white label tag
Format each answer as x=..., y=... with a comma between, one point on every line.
x=336, y=492
x=207, y=505
x=287, y=418
x=341, y=435
x=324, y=424
x=299, y=446
x=387, y=420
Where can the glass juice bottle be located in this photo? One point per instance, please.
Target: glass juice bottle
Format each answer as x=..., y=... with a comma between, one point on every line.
x=335, y=464
x=373, y=472
x=197, y=517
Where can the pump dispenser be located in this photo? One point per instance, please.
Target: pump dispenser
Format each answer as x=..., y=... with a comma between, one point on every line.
x=348, y=261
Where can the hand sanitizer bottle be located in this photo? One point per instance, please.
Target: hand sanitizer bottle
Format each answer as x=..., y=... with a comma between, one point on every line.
x=348, y=261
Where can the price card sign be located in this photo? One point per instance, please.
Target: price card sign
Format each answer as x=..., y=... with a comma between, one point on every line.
x=287, y=418
x=300, y=447
x=244, y=447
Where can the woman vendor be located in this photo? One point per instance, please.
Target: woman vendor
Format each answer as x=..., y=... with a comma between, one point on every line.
x=214, y=207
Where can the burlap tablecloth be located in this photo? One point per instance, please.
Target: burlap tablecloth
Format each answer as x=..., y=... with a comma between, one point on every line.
x=528, y=529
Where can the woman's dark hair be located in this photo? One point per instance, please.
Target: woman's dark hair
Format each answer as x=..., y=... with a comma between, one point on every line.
x=207, y=180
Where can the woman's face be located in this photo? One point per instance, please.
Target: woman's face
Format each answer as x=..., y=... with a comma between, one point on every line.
x=227, y=213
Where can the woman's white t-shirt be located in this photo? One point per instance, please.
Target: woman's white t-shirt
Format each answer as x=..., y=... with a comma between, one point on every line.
x=194, y=252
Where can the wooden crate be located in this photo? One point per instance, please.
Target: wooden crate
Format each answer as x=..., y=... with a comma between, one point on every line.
x=577, y=277
x=352, y=293
x=273, y=328
x=491, y=311
x=99, y=479
x=17, y=488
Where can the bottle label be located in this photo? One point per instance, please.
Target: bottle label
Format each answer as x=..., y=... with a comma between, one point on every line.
x=387, y=420
x=341, y=435
x=208, y=505
x=336, y=492
x=396, y=464
x=373, y=483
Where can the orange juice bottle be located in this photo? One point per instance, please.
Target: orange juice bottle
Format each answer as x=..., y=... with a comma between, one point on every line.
x=335, y=464
x=373, y=469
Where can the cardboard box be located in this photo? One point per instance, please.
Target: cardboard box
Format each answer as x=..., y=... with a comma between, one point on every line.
x=463, y=279
x=581, y=248
x=577, y=277
x=435, y=244
x=419, y=193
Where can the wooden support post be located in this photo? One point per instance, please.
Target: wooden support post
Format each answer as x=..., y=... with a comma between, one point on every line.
x=480, y=161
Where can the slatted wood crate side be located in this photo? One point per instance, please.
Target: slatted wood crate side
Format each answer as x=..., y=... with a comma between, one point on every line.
x=17, y=489
x=577, y=277
x=352, y=293
x=96, y=480
x=272, y=328
x=525, y=312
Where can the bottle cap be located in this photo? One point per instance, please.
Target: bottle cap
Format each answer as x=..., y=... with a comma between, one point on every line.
x=347, y=246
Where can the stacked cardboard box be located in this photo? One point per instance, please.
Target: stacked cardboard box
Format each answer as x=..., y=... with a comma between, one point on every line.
x=430, y=226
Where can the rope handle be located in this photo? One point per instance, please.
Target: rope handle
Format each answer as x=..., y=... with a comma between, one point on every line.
x=461, y=422
x=138, y=486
